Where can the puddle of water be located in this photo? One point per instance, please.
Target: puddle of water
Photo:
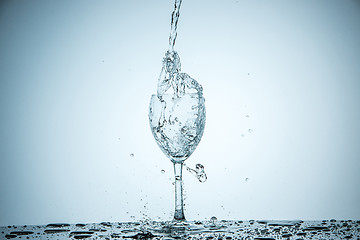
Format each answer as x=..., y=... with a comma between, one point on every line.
x=212, y=229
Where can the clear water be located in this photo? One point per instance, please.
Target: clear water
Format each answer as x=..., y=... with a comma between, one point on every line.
x=213, y=229
x=177, y=124
x=174, y=21
x=177, y=113
x=171, y=75
x=198, y=172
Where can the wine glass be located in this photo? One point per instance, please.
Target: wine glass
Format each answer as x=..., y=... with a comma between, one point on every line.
x=177, y=123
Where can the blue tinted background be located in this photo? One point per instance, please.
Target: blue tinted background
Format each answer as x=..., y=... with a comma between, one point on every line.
x=75, y=84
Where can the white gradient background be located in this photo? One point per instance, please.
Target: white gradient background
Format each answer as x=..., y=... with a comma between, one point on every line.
x=75, y=84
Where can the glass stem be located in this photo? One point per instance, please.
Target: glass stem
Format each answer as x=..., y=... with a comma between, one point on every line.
x=179, y=204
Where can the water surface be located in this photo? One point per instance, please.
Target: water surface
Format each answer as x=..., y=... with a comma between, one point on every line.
x=213, y=229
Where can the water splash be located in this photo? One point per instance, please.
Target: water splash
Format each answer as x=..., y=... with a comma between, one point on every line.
x=179, y=138
x=177, y=119
x=199, y=172
x=171, y=75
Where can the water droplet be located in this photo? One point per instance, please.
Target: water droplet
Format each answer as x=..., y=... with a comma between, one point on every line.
x=162, y=171
x=213, y=219
x=242, y=135
x=132, y=155
x=250, y=130
x=132, y=217
x=247, y=116
x=246, y=179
